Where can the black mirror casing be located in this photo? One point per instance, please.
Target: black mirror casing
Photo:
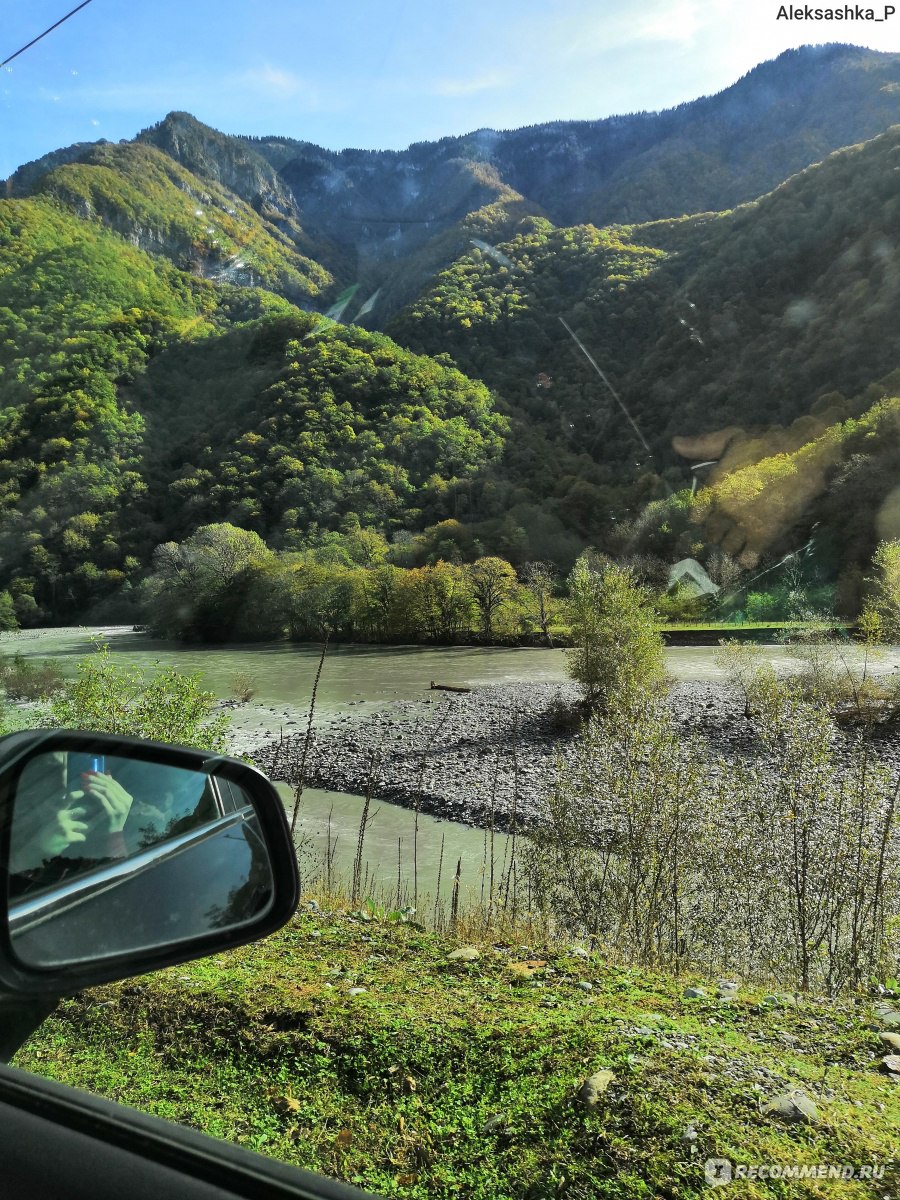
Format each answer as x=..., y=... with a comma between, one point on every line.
x=20, y=979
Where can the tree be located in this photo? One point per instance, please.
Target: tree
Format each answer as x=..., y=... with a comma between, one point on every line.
x=8, y=618
x=883, y=606
x=540, y=580
x=492, y=581
x=195, y=582
x=617, y=653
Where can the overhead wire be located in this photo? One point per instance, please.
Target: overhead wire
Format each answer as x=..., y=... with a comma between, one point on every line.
x=40, y=36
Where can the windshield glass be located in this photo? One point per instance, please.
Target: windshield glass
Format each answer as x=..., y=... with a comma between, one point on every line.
x=498, y=406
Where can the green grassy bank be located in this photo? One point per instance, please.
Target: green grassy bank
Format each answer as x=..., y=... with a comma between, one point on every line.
x=459, y=1078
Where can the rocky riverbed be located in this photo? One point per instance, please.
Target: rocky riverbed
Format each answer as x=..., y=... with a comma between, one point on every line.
x=474, y=757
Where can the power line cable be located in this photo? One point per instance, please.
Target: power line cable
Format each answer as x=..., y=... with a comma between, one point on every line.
x=34, y=41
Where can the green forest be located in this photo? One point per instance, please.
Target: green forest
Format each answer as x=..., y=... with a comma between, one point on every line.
x=165, y=366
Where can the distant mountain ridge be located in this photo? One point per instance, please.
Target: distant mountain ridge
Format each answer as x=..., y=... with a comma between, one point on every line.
x=393, y=217
x=705, y=155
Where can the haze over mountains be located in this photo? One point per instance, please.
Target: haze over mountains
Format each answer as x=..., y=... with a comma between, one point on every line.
x=131, y=308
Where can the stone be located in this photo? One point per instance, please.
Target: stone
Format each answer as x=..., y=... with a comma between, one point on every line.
x=794, y=1107
x=357, y=991
x=584, y=985
x=494, y=1123
x=891, y=1063
x=689, y=1136
x=593, y=1088
x=579, y=952
x=464, y=954
x=693, y=993
x=891, y=1040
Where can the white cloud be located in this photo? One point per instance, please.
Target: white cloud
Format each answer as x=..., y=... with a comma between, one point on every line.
x=276, y=83
x=471, y=86
x=679, y=22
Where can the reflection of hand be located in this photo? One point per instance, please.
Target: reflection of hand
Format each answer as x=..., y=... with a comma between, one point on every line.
x=68, y=828
x=115, y=800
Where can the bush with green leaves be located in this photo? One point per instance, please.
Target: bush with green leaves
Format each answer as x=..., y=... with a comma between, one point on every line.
x=29, y=679
x=168, y=706
x=618, y=653
x=783, y=868
x=832, y=672
x=882, y=610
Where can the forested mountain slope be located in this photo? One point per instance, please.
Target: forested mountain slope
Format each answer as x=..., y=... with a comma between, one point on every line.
x=708, y=154
x=138, y=397
x=742, y=318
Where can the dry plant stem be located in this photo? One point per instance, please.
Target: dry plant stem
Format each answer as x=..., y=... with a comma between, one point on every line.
x=308, y=739
x=363, y=822
x=437, y=895
x=513, y=814
x=454, y=899
x=435, y=730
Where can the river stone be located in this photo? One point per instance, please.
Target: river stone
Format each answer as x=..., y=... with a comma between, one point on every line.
x=464, y=954
x=891, y=1063
x=784, y=1001
x=892, y=1040
x=794, y=1107
x=593, y=1088
x=694, y=993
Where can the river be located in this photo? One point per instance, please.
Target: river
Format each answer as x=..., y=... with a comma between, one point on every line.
x=358, y=679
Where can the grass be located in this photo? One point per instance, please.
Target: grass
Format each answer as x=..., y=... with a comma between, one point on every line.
x=447, y=1079
x=733, y=626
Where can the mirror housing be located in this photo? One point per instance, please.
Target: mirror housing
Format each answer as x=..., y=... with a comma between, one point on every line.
x=223, y=875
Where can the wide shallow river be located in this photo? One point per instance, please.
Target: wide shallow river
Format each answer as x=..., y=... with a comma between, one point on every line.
x=358, y=679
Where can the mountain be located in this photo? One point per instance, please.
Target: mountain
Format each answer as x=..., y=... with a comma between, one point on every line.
x=160, y=367
x=391, y=218
x=745, y=317
x=738, y=337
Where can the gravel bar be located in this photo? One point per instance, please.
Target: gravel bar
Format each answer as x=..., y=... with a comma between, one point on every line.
x=465, y=756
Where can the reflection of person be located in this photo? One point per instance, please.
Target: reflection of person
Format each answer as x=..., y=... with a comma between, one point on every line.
x=53, y=819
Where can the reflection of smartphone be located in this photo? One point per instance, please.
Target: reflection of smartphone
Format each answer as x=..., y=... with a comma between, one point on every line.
x=83, y=764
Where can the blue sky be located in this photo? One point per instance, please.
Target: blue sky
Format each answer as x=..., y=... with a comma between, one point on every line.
x=376, y=73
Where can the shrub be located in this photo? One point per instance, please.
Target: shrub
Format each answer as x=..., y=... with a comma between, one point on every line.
x=166, y=707
x=762, y=606
x=884, y=598
x=618, y=653
x=787, y=869
x=25, y=679
x=243, y=686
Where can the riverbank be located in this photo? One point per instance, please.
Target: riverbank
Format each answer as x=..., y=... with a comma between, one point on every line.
x=476, y=757
x=374, y=1052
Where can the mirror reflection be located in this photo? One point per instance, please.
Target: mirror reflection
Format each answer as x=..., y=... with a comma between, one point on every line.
x=113, y=854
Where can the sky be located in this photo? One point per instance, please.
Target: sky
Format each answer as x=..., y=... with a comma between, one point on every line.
x=377, y=73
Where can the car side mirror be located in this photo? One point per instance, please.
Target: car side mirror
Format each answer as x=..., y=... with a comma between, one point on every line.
x=120, y=856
